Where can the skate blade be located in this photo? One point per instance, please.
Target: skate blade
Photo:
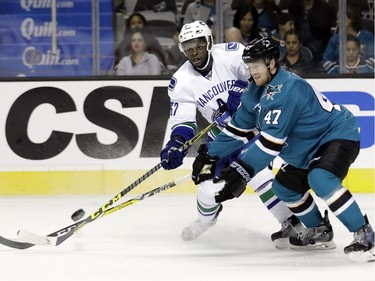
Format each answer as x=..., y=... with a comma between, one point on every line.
x=362, y=257
x=282, y=243
x=318, y=246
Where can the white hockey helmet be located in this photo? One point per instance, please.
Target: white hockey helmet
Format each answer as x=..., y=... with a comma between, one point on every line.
x=194, y=30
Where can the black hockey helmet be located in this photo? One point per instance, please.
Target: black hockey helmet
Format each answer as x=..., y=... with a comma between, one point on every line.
x=261, y=48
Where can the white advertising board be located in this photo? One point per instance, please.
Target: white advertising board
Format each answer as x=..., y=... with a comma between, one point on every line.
x=55, y=125
x=51, y=131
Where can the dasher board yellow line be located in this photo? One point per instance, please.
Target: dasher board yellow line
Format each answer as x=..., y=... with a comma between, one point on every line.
x=111, y=181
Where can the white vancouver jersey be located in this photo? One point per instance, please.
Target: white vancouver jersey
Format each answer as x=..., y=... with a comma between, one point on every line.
x=189, y=90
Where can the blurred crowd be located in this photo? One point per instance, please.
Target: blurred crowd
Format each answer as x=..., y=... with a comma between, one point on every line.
x=306, y=32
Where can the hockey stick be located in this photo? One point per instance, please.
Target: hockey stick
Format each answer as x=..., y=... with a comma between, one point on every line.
x=64, y=233
x=146, y=195
x=51, y=240
x=15, y=244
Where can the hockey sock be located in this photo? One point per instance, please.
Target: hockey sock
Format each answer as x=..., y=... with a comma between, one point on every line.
x=276, y=207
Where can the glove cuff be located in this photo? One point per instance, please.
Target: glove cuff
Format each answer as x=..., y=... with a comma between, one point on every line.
x=178, y=139
x=184, y=132
x=243, y=169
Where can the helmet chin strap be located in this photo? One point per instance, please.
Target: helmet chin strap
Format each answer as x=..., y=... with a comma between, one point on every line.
x=208, y=58
x=206, y=64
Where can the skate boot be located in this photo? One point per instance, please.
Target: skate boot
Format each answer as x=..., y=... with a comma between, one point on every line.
x=362, y=247
x=289, y=228
x=315, y=238
x=197, y=227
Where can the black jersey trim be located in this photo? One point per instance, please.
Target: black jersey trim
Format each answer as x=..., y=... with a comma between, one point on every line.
x=270, y=145
x=249, y=135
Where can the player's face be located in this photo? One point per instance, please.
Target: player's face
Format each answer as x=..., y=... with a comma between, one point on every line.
x=196, y=51
x=259, y=71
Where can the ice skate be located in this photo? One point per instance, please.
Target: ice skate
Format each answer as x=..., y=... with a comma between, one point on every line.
x=362, y=247
x=289, y=228
x=315, y=238
x=197, y=227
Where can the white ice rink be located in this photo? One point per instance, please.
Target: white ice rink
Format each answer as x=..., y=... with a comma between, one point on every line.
x=142, y=242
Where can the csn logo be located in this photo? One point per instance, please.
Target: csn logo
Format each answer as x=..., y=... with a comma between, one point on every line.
x=95, y=111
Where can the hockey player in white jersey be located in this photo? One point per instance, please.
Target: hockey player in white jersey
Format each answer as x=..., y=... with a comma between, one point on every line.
x=213, y=78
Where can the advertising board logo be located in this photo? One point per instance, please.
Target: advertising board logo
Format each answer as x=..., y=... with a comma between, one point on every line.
x=30, y=30
x=125, y=127
x=366, y=115
x=33, y=57
x=44, y=4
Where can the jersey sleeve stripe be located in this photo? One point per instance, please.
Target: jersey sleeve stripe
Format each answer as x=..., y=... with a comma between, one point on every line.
x=235, y=136
x=184, y=130
x=273, y=139
x=249, y=134
x=187, y=125
x=266, y=149
x=270, y=145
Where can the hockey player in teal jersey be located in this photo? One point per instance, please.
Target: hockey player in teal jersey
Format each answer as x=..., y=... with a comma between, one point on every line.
x=318, y=141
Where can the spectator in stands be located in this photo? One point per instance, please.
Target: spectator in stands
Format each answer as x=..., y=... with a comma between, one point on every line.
x=175, y=58
x=285, y=24
x=139, y=61
x=246, y=20
x=313, y=21
x=268, y=11
x=137, y=20
x=353, y=27
x=233, y=34
x=205, y=10
x=298, y=59
x=354, y=62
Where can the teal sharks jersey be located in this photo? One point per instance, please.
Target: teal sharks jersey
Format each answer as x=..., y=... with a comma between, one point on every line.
x=293, y=118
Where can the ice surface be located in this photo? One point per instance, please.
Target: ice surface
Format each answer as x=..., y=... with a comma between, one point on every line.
x=142, y=242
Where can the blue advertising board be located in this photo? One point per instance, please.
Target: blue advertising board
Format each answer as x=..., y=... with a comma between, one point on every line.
x=26, y=34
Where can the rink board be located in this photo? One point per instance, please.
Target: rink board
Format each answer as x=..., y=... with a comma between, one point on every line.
x=112, y=182
x=98, y=136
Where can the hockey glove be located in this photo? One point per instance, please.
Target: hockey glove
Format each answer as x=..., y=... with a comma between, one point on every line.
x=236, y=176
x=234, y=95
x=224, y=119
x=171, y=156
x=203, y=166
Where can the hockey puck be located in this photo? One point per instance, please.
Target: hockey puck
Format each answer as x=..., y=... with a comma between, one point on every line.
x=77, y=215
